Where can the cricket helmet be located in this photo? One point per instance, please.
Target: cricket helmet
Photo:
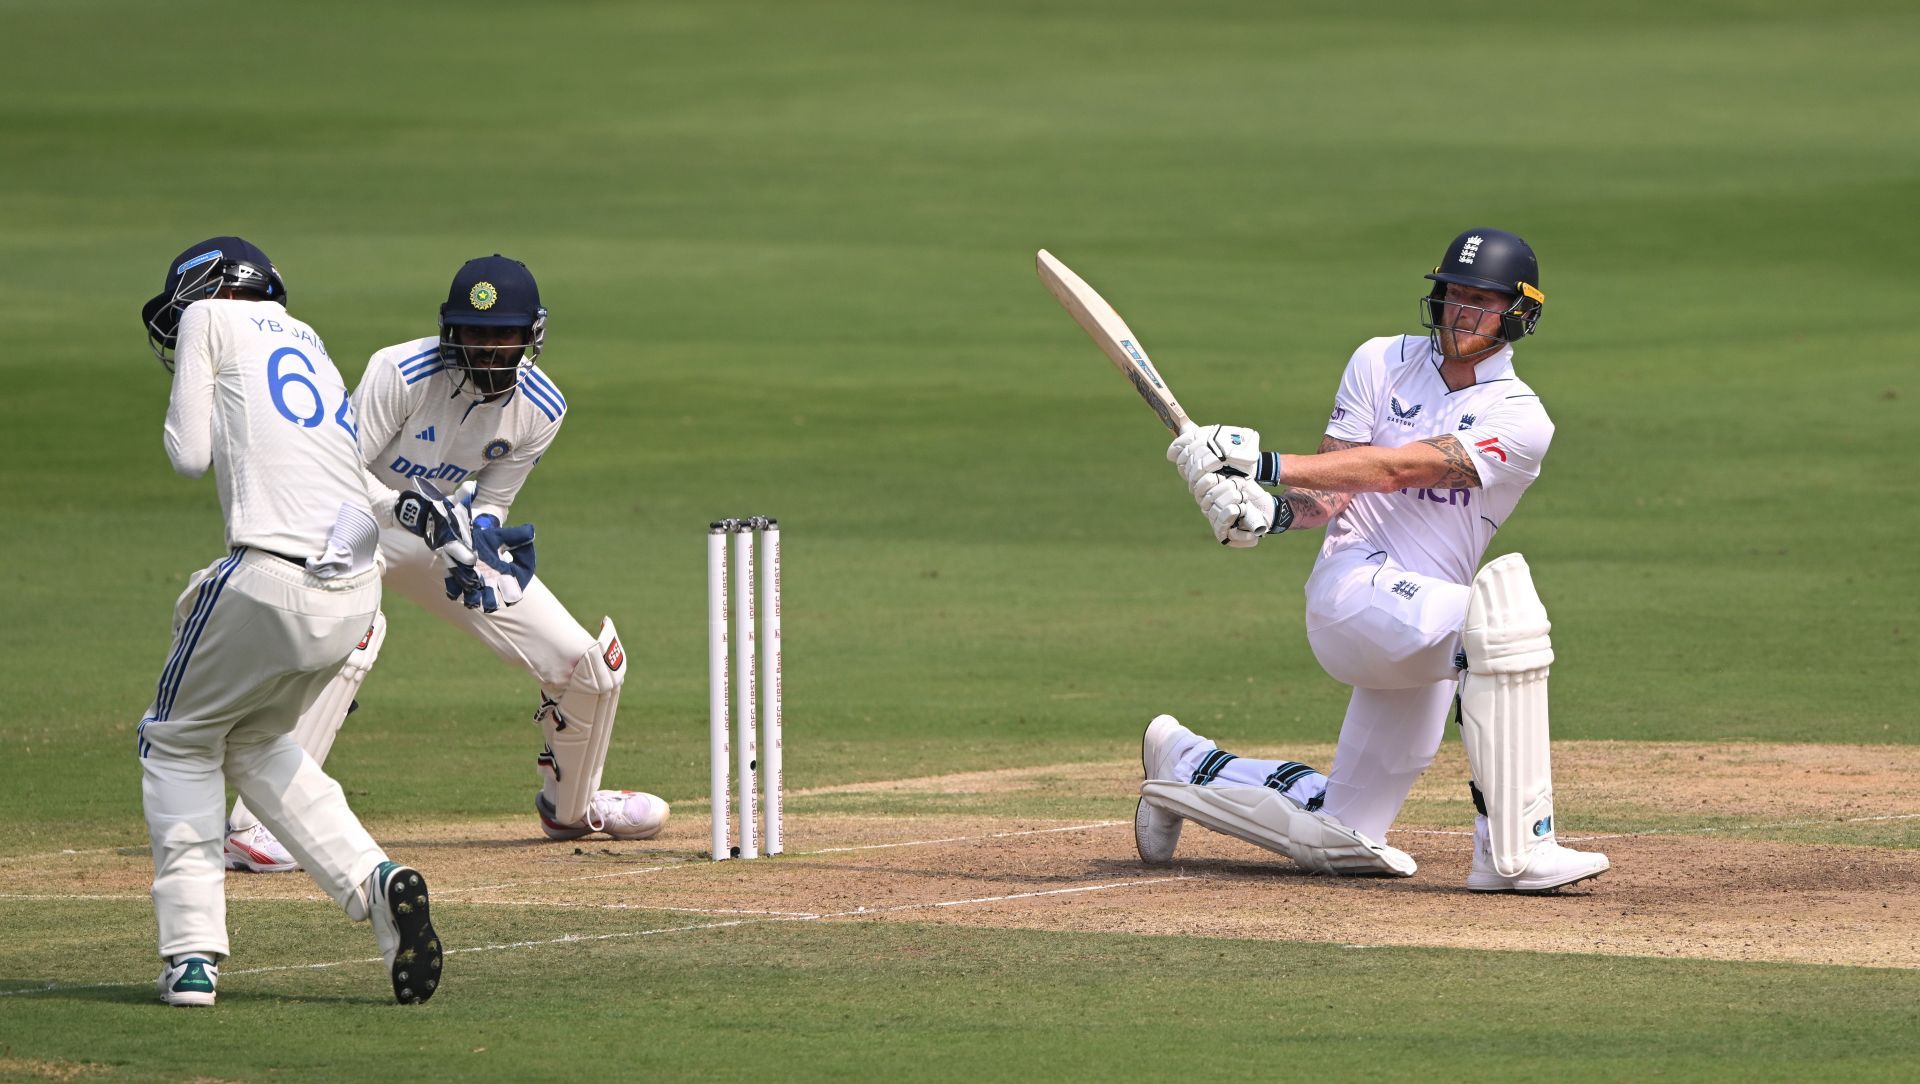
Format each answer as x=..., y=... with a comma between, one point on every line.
x=1489, y=260
x=200, y=272
x=491, y=291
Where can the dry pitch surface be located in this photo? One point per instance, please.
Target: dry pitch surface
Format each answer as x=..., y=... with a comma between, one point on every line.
x=1755, y=852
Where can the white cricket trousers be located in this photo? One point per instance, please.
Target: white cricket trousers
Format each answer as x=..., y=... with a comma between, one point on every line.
x=255, y=639
x=1392, y=635
x=536, y=634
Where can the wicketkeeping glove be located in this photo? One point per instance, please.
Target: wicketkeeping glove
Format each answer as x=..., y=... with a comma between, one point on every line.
x=443, y=523
x=501, y=574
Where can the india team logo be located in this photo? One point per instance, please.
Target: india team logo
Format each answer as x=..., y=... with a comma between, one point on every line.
x=497, y=448
x=483, y=295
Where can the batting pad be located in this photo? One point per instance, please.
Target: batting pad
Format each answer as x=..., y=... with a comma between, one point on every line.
x=1265, y=818
x=321, y=722
x=579, y=726
x=1503, y=709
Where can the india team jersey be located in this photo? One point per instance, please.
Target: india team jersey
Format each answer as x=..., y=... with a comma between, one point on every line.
x=1392, y=394
x=414, y=424
x=256, y=397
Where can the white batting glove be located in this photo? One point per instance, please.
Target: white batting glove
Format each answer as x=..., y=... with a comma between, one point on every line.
x=1211, y=449
x=1238, y=510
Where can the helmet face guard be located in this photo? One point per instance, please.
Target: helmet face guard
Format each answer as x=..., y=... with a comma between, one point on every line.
x=482, y=372
x=1517, y=319
x=1492, y=260
x=199, y=273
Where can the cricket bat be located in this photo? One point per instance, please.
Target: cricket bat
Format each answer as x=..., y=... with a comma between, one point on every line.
x=1114, y=338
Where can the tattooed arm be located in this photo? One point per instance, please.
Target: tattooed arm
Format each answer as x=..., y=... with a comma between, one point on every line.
x=1340, y=469
x=1316, y=508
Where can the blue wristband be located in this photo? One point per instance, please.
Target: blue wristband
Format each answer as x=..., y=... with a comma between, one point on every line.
x=1268, y=472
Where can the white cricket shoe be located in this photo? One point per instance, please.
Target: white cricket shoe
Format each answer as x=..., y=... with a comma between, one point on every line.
x=397, y=908
x=189, y=979
x=1551, y=866
x=256, y=851
x=622, y=814
x=1156, y=831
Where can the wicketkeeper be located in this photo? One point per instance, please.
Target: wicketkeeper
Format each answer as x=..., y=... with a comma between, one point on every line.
x=470, y=410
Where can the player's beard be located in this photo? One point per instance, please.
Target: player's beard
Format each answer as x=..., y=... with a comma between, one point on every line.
x=489, y=371
x=1459, y=343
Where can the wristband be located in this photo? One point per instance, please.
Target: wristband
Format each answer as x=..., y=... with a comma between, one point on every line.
x=1268, y=472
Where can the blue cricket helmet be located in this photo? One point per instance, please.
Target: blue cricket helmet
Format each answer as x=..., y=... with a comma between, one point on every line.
x=200, y=272
x=1490, y=260
x=491, y=291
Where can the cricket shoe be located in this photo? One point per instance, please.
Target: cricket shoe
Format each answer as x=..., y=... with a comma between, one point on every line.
x=622, y=814
x=189, y=980
x=404, y=932
x=1156, y=831
x=1550, y=866
x=256, y=851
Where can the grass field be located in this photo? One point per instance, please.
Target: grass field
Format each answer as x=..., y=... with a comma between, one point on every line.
x=788, y=252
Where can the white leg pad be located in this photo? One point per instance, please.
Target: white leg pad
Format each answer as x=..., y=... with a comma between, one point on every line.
x=579, y=727
x=1266, y=818
x=1503, y=710
x=321, y=722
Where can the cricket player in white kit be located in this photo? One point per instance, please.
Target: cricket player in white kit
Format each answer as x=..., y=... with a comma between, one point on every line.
x=259, y=632
x=471, y=406
x=1432, y=441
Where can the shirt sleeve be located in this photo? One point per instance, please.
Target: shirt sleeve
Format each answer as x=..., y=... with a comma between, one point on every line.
x=1508, y=445
x=500, y=480
x=380, y=405
x=189, y=429
x=1353, y=401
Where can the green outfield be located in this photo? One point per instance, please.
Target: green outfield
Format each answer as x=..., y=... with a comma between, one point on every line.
x=788, y=252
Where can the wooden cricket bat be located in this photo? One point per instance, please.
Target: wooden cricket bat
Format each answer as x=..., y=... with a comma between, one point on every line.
x=1114, y=338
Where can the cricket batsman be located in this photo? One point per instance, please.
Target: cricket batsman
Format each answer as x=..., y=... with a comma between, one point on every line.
x=470, y=407
x=1432, y=442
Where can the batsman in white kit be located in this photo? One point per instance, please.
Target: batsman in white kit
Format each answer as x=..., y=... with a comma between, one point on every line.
x=470, y=410
x=258, y=633
x=1432, y=441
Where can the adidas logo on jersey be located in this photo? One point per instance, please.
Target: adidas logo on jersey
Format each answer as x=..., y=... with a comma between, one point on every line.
x=424, y=434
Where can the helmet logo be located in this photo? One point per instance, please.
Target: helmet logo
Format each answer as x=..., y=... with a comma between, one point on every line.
x=483, y=295
x=1471, y=249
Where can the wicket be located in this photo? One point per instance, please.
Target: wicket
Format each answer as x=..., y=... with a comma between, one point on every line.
x=759, y=642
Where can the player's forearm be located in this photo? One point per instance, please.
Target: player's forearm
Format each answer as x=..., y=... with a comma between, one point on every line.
x=1440, y=462
x=1314, y=508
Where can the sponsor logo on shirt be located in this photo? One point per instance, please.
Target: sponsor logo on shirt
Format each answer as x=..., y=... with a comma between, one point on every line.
x=1458, y=498
x=1403, y=415
x=408, y=469
x=1338, y=413
x=1491, y=446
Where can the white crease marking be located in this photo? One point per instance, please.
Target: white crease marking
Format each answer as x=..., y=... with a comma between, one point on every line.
x=569, y=939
